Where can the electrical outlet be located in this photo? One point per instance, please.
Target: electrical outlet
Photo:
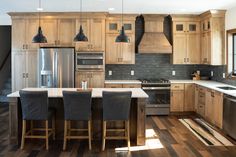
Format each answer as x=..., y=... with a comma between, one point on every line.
x=109, y=72
x=212, y=73
x=132, y=73
x=223, y=75
x=173, y=73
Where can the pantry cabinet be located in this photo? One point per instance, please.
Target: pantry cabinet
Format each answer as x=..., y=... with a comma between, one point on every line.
x=186, y=40
x=24, y=69
x=94, y=79
x=213, y=37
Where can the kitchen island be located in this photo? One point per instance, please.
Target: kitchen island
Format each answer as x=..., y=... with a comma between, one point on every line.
x=137, y=113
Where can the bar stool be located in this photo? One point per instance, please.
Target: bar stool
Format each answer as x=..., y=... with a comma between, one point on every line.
x=77, y=107
x=35, y=108
x=116, y=107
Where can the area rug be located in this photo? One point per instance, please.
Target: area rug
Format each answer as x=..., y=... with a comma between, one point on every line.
x=205, y=132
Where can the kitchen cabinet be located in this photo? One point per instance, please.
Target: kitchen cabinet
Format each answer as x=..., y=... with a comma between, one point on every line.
x=213, y=37
x=182, y=97
x=196, y=94
x=66, y=32
x=122, y=85
x=50, y=31
x=120, y=53
x=94, y=79
x=23, y=31
x=94, y=29
x=189, y=97
x=186, y=41
x=114, y=26
x=24, y=69
x=177, y=98
x=209, y=106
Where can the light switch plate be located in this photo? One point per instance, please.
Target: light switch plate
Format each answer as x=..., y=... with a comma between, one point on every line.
x=198, y=72
x=212, y=73
x=109, y=72
x=223, y=75
x=173, y=73
x=132, y=72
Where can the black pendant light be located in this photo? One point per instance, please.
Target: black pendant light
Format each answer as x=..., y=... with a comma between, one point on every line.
x=80, y=37
x=39, y=37
x=122, y=37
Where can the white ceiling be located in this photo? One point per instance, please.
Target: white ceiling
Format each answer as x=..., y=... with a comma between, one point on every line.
x=130, y=6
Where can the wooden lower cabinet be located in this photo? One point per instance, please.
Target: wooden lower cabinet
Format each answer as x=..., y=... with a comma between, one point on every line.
x=182, y=97
x=94, y=79
x=218, y=109
x=177, y=101
x=189, y=97
x=122, y=85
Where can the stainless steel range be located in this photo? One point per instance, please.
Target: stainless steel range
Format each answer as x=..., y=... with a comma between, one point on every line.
x=159, y=96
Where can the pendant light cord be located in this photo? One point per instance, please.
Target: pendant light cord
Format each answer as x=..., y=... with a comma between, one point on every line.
x=81, y=12
x=39, y=12
x=122, y=12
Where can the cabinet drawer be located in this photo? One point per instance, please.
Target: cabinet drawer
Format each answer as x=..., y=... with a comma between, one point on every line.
x=113, y=86
x=177, y=86
x=131, y=85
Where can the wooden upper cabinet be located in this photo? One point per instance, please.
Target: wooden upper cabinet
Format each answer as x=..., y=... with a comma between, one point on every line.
x=179, y=49
x=213, y=37
x=127, y=51
x=112, y=26
x=119, y=53
x=66, y=32
x=97, y=34
x=186, y=40
x=50, y=31
x=94, y=79
x=193, y=49
x=18, y=34
x=112, y=49
x=32, y=29
x=94, y=29
x=83, y=46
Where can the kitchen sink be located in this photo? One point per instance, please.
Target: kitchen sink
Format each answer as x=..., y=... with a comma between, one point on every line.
x=227, y=88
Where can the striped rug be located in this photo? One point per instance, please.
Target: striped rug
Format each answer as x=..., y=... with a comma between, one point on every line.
x=205, y=132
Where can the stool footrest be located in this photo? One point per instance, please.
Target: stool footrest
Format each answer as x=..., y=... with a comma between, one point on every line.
x=116, y=130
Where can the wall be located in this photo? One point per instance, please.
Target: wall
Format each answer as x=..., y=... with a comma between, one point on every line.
x=5, y=46
x=154, y=66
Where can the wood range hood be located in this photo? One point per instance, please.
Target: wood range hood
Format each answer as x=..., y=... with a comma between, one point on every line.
x=154, y=39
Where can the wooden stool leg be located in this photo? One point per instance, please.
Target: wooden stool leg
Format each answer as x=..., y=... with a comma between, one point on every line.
x=89, y=133
x=104, y=136
x=54, y=127
x=65, y=135
x=46, y=134
x=128, y=134
x=68, y=128
x=31, y=127
x=23, y=134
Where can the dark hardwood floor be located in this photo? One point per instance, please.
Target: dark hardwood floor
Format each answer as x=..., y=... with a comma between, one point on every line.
x=166, y=137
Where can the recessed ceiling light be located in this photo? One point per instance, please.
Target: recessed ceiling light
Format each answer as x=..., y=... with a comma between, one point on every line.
x=183, y=10
x=40, y=9
x=111, y=9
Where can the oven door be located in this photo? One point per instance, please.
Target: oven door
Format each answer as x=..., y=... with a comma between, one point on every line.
x=89, y=61
x=158, y=102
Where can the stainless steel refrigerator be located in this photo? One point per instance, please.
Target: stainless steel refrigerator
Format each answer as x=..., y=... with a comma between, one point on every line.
x=56, y=67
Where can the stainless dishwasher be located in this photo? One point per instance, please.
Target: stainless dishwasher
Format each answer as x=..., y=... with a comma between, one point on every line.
x=229, y=116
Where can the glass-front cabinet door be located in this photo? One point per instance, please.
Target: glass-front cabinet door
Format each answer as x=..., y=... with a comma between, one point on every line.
x=193, y=27
x=179, y=27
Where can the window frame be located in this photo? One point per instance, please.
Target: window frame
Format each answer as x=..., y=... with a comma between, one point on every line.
x=233, y=53
x=229, y=48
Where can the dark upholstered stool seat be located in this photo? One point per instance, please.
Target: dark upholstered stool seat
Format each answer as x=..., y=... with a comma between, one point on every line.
x=77, y=107
x=35, y=108
x=116, y=107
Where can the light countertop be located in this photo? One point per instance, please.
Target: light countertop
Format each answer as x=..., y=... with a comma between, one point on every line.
x=122, y=82
x=96, y=92
x=209, y=84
